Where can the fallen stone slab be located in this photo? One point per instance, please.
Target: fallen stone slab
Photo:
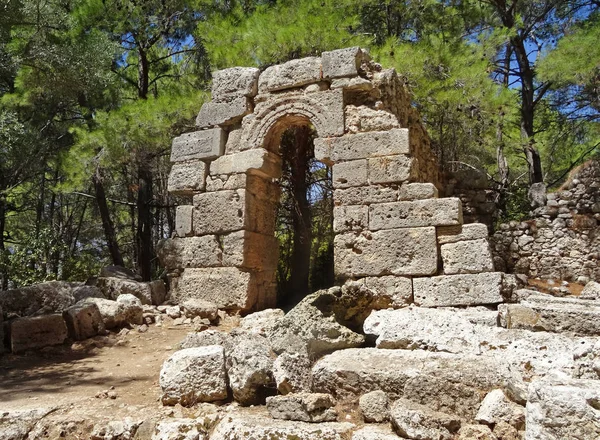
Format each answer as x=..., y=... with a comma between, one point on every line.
x=113, y=287
x=205, y=338
x=458, y=290
x=454, y=384
x=259, y=426
x=551, y=314
x=37, y=332
x=303, y=407
x=83, y=321
x=121, y=313
x=563, y=409
x=194, y=375
x=414, y=421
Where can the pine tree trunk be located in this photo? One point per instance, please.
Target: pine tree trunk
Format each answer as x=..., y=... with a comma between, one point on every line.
x=107, y=224
x=144, y=224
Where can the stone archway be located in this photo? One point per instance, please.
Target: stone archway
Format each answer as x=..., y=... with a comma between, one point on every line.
x=388, y=218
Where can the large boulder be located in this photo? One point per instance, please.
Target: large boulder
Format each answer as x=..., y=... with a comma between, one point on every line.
x=303, y=407
x=374, y=406
x=17, y=423
x=37, y=332
x=292, y=373
x=194, y=375
x=125, y=311
x=313, y=327
x=591, y=291
x=83, y=321
x=112, y=287
x=261, y=322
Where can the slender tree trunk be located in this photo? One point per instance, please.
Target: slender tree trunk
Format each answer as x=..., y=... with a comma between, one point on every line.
x=3, y=268
x=144, y=226
x=107, y=224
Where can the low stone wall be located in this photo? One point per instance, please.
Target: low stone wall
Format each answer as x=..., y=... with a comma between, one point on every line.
x=562, y=240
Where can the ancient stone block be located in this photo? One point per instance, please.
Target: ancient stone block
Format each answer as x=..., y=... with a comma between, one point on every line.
x=219, y=212
x=37, y=332
x=294, y=73
x=454, y=234
x=417, y=191
x=496, y=408
x=430, y=212
x=292, y=373
x=194, y=375
x=186, y=252
x=391, y=169
x=458, y=290
x=365, y=195
x=258, y=161
x=356, y=84
x=158, y=290
x=362, y=145
x=227, y=287
x=347, y=174
x=375, y=432
x=113, y=287
x=250, y=250
x=393, y=251
x=350, y=218
x=471, y=256
x=374, y=407
x=83, y=321
x=187, y=178
x=223, y=113
x=203, y=144
x=234, y=82
x=119, y=313
x=303, y=407
x=411, y=420
x=233, y=144
x=363, y=118
x=221, y=182
x=391, y=290
x=183, y=220
x=343, y=62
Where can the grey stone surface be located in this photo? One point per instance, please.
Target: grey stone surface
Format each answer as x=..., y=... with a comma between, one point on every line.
x=350, y=218
x=113, y=287
x=258, y=161
x=362, y=145
x=234, y=82
x=194, y=375
x=83, y=321
x=183, y=220
x=390, y=291
x=455, y=384
x=375, y=432
x=187, y=178
x=458, y=290
x=537, y=195
x=367, y=195
x=563, y=409
x=496, y=408
x=374, y=407
x=118, y=313
x=205, y=338
x=16, y=424
x=303, y=407
x=158, y=291
x=218, y=212
x=362, y=118
x=477, y=432
x=410, y=251
x=470, y=256
x=203, y=144
x=349, y=174
x=115, y=429
x=294, y=73
x=418, y=213
x=180, y=253
x=193, y=307
x=414, y=421
x=261, y=322
x=591, y=291
x=180, y=429
x=37, y=332
x=223, y=113
x=227, y=287
x=391, y=169
x=292, y=373
x=343, y=62
x=417, y=191
x=469, y=231
x=250, y=250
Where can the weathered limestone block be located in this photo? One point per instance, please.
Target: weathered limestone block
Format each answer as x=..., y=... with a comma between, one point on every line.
x=250, y=250
x=261, y=322
x=223, y=182
x=414, y=421
x=417, y=191
x=203, y=144
x=193, y=307
x=470, y=256
x=83, y=321
x=264, y=128
x=21, y=423
x=179, y=253
x=113, y=287
x=391, y=169
x=227, y=287
x=389, y=291
x=119, y=313
x=158, y=290
x=469, y=231
x=258, y=161
x=183, y=220
x=591, y=291
x=303, y=407
x=343, y=62
x=458, y=290
x=219, y=212
x=367, y=195
x=37, y=332
x=356, y=84
x=187, y=178
x=563, y=409
x=478, y=432
x=348, y=174
x=496, y=408
x=194, y=375
x=551, y=314
x=294, y=73
x=252, y=426
x=292, y=373
x=375, y=432
x=362, y=118
x=411, y=251
x=350, y=218
x=431, y=212
x=374, y=407
x=454, y=384
x=180, y=429
x=205, y=338
x=234, y=82
x=223, y=113
x=362, y=145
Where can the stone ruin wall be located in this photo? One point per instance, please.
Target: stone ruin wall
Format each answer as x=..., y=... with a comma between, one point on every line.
x=392, y=230
x=562, y=239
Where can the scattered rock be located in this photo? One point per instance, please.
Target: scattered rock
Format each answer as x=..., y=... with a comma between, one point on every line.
x=496, y=407
x=292, y=373
x=16, y=424
x=414, y=421
x=180, y=429
x=303, y=407
x=83, y=321
x=476, y=432
x=195, y=307
x=375, y=432
x=261, y=322
x=374, y=407
x=194, y=375
x=173, y=312
x=113, y=287
x=591, y=291
x=116, y=430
